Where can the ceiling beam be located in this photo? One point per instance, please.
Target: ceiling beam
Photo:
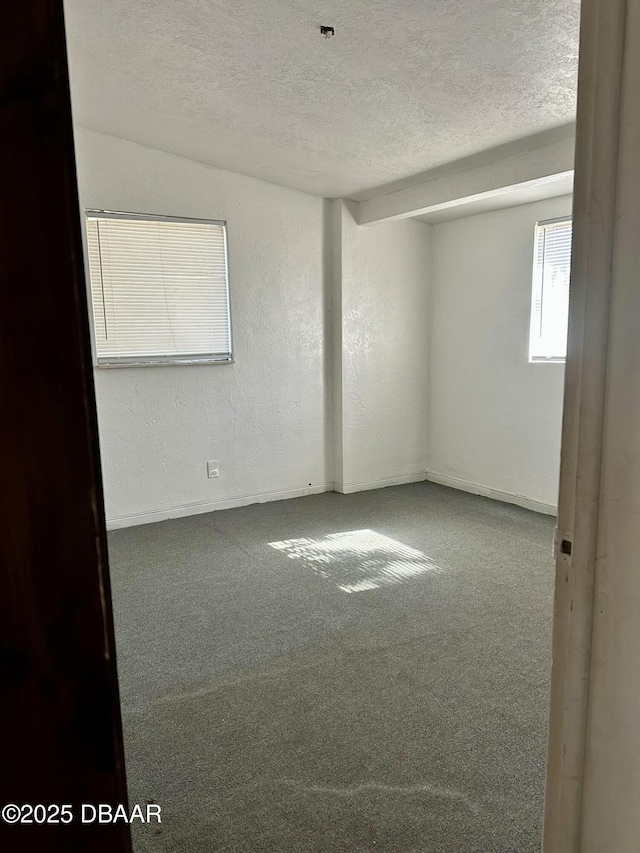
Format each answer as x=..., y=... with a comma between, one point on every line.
x=471, y=182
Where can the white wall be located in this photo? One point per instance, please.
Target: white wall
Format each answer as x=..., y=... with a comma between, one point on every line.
x=335, y=380
x=265, y=418
x=309, y=400
x=494, y=419
x=382, y=366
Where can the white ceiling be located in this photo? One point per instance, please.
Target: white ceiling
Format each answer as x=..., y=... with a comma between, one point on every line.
x=510, y=198
x=251, y=86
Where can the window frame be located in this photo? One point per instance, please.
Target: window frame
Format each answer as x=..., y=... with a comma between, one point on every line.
x=161, y=360
x=537, y=286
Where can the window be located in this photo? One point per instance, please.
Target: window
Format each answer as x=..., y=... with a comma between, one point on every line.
x=159, y=288
x=550, y=300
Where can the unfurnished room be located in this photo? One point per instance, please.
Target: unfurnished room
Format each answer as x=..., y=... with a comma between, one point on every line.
x=327, y=250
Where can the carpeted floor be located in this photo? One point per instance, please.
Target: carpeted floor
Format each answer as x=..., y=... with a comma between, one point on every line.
x=381, y=691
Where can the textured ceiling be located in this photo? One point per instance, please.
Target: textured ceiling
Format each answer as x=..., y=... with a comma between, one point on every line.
x=513, y=198
x=251, y=86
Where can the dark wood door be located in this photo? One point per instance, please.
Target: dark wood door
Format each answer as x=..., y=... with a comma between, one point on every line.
x=60, y=718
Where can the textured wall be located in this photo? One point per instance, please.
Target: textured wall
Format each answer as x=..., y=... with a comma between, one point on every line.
x=494, y=419
x=307, y=404
x=264, y=417
x=385, y=271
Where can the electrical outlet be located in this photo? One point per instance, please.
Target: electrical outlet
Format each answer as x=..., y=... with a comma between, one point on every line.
x=213, y=467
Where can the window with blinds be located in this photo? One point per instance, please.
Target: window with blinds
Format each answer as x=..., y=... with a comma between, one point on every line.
x=159, y=288
x=550, y=299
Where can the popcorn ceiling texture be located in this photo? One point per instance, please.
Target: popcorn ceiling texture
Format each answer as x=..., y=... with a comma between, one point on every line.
x=251, y=86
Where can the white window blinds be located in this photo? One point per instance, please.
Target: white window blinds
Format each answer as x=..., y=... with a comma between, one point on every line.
x=159, y=288
x=550, y=299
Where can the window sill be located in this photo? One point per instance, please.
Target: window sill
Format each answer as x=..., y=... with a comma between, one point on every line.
x=182, y=362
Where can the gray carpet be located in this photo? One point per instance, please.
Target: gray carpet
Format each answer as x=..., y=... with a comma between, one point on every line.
x=338, y=694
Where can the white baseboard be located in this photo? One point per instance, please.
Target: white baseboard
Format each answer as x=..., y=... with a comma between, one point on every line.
x=210, y=506
x=350, y=488
x=496, y=494
x=346, y=489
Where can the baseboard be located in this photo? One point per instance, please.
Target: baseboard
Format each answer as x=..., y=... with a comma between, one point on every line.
x=496, y=494
x=350, y=488
x=347, y=489
x=211, y=506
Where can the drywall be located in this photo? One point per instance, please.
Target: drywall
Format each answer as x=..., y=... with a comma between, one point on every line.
x=475, y=180
x=333, y=381
x=382, y=351
x=265, y=417
x=494, y=418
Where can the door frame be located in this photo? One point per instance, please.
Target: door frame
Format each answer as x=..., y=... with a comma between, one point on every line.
x=599, y=121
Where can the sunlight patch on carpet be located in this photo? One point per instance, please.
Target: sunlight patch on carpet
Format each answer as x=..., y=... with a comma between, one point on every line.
x=359, y=560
